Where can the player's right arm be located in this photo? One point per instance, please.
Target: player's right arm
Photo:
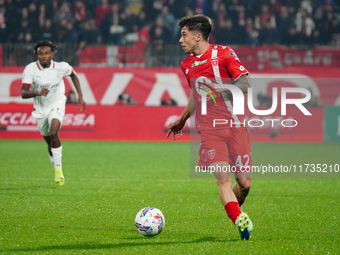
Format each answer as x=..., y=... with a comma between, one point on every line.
x=27, y=79
x=26, y=92
x=176, y=127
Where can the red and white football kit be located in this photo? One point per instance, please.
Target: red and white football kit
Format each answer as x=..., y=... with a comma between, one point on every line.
x=226, y=143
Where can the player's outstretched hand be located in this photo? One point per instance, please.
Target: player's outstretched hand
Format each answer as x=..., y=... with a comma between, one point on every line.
x=81, y=103
x=176, y=129
x=44, y=92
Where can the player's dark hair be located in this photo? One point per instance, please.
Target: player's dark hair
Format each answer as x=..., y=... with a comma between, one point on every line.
x=198, y=22
x=45, y=43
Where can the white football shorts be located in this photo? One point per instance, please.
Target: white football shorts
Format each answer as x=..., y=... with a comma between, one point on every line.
x=57, y=112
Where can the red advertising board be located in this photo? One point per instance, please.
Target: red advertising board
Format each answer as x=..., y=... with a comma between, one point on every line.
x=142, y=123
x=117, y=122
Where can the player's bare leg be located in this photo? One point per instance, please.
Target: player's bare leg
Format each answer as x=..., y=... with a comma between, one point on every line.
x=48, y=141
x=56, y=150
x=227, y=196
x=242, y=186
x=229, y=200
x=54, y=133
x=223, y=180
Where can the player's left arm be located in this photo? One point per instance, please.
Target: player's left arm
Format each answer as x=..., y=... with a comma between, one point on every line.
x=243, y=83
x=76, y=83
x=237, y=72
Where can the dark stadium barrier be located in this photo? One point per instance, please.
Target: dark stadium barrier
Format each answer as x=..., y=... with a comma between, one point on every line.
x=1, y=55
x=254, y=58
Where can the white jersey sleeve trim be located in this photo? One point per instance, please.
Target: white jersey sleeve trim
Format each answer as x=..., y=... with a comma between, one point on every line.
x=241, y=75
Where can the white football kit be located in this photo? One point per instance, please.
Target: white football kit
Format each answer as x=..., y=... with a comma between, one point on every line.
x=53, y=105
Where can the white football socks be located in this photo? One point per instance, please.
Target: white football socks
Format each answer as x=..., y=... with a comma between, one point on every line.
x=56, y=156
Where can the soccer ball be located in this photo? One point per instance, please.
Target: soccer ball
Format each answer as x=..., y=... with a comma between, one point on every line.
x=149, y=221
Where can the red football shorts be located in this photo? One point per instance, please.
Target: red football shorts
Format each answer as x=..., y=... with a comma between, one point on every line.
x=226, y=145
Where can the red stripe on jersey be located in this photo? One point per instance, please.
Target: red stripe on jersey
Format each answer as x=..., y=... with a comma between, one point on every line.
x=38, y=65
x=26, y=84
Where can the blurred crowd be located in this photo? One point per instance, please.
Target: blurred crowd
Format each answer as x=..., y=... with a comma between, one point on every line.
x=154, y=22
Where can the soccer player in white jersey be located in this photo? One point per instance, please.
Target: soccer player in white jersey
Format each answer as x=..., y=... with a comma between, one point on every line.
x=221, y=146
x=43, y=80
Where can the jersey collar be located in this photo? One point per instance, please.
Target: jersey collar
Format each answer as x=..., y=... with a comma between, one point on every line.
x=52, y=65
x=200, y=55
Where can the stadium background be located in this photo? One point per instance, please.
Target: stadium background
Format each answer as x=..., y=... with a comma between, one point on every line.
x=128, y=66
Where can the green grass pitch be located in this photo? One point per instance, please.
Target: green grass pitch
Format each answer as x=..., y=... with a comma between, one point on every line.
x=107, y=183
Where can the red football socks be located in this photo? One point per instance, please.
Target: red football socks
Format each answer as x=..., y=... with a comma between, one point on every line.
x=233, y=210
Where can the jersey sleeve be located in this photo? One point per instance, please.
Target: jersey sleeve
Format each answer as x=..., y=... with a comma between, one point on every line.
x=27, y=76
x=67, y=69
x=185, y=71
x=233, y=65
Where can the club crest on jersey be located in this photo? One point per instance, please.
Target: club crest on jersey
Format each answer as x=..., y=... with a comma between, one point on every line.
x=214, y=61
x=211, y=153
x=197, y=63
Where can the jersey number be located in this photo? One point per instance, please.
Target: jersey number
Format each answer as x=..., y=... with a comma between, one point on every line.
x=238, y=162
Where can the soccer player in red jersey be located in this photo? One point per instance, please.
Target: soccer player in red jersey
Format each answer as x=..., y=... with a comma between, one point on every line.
x=222, y=146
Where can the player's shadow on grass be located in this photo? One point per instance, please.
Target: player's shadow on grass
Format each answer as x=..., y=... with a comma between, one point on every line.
x=88, y=246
